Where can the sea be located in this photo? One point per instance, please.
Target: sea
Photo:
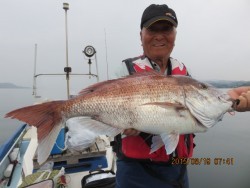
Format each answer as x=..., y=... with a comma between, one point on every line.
x=221, y=156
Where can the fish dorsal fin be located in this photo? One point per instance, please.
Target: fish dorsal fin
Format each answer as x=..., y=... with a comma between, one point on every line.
x=147, y=73
x=96, y=87
x=102, y=85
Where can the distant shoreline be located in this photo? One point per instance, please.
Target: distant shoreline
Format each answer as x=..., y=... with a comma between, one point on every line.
x=11, y=86
x=228, y=84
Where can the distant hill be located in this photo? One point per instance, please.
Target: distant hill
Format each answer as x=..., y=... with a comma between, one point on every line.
x=227, y=84
x=11, y=86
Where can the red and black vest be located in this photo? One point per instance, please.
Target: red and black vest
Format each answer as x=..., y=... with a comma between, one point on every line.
x=138, y=147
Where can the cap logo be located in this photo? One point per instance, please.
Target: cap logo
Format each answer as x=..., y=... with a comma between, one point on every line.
x=169, y=14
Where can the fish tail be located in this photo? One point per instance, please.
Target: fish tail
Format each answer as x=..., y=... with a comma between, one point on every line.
x=47, y=117
x=44, y=116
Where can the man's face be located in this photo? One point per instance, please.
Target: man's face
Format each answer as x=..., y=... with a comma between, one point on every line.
x=158, y=40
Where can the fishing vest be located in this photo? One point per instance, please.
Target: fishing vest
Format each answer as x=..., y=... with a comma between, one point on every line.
x=138, y=147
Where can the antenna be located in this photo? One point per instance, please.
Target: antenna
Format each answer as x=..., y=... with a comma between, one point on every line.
x=89, y=51
x=34, y=76
x=106, y=54
x=96, y=64
x=67, y=69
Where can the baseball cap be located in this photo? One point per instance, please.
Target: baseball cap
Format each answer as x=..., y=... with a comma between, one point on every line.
x=154, y=13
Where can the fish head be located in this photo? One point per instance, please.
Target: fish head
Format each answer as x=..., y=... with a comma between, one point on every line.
x=205, y=102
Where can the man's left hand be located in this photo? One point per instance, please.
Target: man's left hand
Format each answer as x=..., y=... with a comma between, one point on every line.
x=243, y=95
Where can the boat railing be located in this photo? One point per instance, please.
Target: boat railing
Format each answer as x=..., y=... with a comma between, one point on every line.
x=8, y=146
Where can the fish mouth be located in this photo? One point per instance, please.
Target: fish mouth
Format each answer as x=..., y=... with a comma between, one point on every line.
x=235, y=103
x=225, y=98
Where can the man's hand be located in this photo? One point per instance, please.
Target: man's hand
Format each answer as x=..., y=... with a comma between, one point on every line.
x=131, y=132
x=243, y=94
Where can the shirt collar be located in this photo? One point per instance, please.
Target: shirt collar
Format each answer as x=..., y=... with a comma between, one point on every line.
x=156, y=67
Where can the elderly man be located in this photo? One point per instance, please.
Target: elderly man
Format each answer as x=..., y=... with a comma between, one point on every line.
x=136, y=167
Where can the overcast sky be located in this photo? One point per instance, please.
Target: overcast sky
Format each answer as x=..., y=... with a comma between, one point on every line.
x=213, y=37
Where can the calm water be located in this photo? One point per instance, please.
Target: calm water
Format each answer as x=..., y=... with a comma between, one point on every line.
x=228, y=139
x=11, y=99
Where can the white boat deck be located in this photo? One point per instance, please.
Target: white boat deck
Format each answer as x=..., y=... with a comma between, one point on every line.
x=27, y=164
x=72, y=179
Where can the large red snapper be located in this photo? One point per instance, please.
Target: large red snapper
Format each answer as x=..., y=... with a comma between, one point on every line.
x=149, y=102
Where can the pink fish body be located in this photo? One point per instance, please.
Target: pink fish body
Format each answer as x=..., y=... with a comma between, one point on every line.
x=148, y=102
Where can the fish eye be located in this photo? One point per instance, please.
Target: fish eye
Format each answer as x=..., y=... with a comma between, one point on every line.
x=203, y=86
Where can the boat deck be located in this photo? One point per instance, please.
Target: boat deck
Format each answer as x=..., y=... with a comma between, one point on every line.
x=76, y=165
x=88, y=159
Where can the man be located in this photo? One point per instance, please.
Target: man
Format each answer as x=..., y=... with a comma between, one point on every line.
x=136, y=168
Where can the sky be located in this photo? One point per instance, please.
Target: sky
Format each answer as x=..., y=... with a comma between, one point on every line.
x=213, y=38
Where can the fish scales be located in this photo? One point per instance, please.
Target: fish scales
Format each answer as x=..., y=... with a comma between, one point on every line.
x=126, y=106
x=149, y=102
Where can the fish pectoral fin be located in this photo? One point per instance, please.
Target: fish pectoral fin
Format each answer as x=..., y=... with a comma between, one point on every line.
x=176, y=105
x=157, y=143
x=95, y=126
x=170, y=141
